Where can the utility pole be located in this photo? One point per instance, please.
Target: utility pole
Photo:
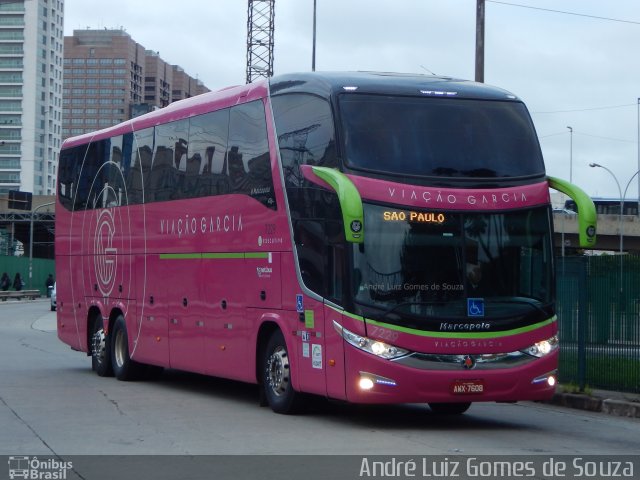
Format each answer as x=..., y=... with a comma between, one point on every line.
x=480, y=41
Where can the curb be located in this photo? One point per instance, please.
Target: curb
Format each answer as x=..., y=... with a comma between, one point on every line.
x=620, y=408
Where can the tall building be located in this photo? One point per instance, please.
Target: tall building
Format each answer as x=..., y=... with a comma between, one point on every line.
x=31, y=43
x=109, y=78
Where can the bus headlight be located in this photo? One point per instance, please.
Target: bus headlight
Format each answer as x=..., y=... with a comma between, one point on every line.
x=545, y=347
x=375, y=347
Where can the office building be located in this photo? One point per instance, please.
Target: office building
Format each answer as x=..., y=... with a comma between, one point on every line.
x=109, y=78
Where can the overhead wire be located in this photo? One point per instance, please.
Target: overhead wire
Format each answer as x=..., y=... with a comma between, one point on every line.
x=564, y=12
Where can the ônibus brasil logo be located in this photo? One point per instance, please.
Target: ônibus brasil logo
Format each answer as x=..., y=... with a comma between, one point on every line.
x=33, y=468
x=105, y=255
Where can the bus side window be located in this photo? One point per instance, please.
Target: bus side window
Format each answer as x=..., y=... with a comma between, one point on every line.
x=142, y=155
x=68, y=174
x=248, y=158
x=207, y=164
x=165, y=177
x=306, y=134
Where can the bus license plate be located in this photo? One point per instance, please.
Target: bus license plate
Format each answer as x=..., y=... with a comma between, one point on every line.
x=467, y=387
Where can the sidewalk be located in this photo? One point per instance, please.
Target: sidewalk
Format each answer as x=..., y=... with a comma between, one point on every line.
x=613, y=403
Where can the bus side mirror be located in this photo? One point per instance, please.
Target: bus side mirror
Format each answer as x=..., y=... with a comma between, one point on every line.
x=587, y=217
x=350, y=202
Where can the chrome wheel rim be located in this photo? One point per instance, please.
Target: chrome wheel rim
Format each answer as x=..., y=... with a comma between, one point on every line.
x=120, y=348
x=278, y=371
x=99, y=346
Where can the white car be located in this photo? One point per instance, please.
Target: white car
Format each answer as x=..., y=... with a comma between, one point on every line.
x=53, y=298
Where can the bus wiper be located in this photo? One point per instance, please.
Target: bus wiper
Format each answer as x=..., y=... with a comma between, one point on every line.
x=532, y=302
x=389, y=311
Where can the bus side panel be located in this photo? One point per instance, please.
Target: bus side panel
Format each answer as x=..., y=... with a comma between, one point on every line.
x=226, y=333
x=152, y=334
x=310, y=350
x=67, y=326
x=186, y=326
x=335, y=356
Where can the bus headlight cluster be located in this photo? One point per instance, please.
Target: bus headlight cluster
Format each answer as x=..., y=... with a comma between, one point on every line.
x=545, y=347
x=375, y=347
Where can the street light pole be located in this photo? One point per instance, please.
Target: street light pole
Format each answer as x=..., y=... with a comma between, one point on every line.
x=313, y=53
x=570, y=154
x=621, y=199
x=31, y=241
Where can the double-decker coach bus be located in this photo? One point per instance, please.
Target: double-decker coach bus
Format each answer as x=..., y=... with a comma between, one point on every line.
x=367, y=237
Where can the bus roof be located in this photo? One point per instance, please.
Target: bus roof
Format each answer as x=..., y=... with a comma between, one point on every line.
x=329, y=83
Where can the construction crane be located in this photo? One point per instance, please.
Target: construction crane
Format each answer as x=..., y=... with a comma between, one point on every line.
x=260, y=39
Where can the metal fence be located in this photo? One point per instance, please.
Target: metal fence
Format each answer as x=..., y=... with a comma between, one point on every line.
x=599, y=321
x=41, y=268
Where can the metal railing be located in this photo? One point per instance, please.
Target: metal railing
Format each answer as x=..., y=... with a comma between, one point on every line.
x=599, y=320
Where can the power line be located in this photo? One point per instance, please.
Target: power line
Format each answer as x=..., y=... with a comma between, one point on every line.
x=607, y=107
x=557, y=134
x=607, y=138
x=609, y=19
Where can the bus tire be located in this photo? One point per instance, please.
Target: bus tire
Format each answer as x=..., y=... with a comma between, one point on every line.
x=449, y=408
x=100, y=348
x=276, y=376
x=123, y=367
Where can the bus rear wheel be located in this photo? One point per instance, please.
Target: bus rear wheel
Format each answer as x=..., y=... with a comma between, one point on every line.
x=123, y=367
x=449, y=408
x=276, y=376
x=100, y=349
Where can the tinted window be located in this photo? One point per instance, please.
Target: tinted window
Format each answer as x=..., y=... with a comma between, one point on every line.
x=68, y=173
x=182, y=159
x=305, y=130
x=248, y=159
x=439, y=136
x=169, y=161
x=141, y=164
x=207, y=162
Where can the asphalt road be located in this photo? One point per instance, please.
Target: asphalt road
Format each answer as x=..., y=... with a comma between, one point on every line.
x=51, y=403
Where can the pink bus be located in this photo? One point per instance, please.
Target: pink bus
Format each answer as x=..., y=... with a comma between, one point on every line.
x=366, y=237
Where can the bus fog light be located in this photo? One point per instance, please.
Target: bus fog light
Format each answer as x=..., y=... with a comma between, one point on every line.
x=365, y=383
x=549, y=378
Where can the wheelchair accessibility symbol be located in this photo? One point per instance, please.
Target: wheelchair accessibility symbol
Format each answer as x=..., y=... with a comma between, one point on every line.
x=475, y=307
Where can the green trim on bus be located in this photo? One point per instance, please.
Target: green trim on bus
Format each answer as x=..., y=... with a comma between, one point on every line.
x=587, y=217
x=461, y=335
x=214, y=256
x=350, y=202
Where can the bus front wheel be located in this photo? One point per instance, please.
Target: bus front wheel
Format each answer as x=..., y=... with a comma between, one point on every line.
x=276, y=376
x=100, y=349
x=449, y=408
x=123, y=367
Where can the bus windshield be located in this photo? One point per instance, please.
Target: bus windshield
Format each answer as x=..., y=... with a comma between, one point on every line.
x=448, y=137
x=426, y=264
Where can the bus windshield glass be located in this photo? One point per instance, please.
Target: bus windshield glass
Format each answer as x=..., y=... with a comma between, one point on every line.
x=427, y=263
x=439, y=137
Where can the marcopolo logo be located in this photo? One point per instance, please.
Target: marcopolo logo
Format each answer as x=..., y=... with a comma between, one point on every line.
x=36, y=469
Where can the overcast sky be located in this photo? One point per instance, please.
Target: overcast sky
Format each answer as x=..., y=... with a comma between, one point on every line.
x=570, y=70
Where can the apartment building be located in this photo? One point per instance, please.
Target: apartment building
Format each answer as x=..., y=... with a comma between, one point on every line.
x=31, y=53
